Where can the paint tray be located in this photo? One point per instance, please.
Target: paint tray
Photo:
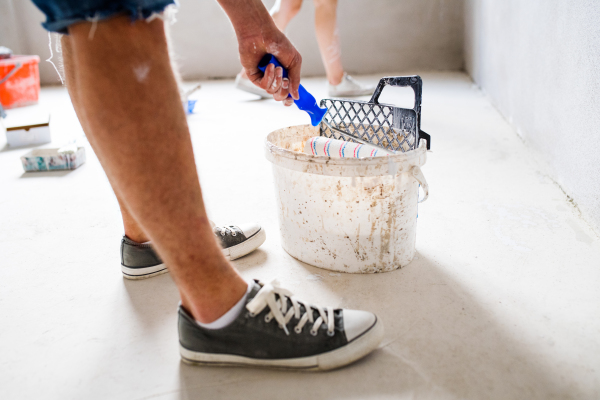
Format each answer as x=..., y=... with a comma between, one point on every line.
x=52, y=160
x=384, y=125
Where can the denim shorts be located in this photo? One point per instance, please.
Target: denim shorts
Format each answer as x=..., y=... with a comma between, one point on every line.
x=62, y=13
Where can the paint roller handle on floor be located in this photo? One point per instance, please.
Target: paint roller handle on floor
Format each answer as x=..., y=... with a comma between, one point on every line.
x=306, y=102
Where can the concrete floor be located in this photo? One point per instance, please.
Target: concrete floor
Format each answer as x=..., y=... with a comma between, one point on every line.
x=502, y=300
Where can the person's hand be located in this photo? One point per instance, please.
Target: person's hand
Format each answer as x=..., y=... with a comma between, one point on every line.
x=257, y=35
x=253, y=48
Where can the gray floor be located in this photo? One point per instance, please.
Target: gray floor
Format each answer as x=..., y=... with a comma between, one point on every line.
x=502, y=300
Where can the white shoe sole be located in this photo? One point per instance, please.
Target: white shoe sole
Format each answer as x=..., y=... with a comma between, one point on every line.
x=248, y=246
x=143, y=273
x=232, y=253
x=353, y=351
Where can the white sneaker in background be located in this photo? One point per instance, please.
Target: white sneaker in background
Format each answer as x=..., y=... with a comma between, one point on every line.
x=247, y=86
x=349, y=87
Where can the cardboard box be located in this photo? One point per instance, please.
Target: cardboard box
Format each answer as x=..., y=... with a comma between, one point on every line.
x=28, y=135
x=27, y=126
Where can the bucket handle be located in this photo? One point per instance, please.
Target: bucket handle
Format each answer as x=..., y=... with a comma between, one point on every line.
x=18, y=66
x=418, y=175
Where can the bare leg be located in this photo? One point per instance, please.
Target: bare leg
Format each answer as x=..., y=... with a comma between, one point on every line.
x=329, y=40
x=132, y=229
x=282, y=12
x=127, y=100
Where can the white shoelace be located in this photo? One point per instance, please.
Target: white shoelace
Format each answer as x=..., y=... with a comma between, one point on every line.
x=279, y=310
x=222, y=230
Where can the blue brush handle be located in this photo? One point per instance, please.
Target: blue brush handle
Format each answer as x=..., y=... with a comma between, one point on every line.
x=306, y=102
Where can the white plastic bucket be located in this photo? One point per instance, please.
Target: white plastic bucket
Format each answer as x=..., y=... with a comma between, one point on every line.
x=345, y=214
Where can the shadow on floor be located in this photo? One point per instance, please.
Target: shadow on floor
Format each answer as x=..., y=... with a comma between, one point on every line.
x=154, y=300
x=258, y=99
x=24, y=148
x=440, y=342
x=252, y=261
x=46, y=174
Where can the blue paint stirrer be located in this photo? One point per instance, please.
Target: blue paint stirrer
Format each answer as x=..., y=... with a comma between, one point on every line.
x=306, y=102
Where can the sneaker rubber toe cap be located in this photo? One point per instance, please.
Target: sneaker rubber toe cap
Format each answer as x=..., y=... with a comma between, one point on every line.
x=357, y=322
x=249, y=229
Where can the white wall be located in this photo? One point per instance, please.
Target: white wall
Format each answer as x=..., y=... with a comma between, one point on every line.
x=20, y=30
x=378, y=36
x=539, y=61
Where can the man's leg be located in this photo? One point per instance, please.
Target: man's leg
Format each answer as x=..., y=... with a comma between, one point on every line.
x=139, y=260
x=108, y=80
x=132, y=229
x=328, y=39
x=128, y=103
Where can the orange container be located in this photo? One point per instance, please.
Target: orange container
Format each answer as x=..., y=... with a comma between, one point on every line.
x=22, y=88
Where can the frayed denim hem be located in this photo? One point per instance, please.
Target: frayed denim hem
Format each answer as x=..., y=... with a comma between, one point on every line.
x=147, y=10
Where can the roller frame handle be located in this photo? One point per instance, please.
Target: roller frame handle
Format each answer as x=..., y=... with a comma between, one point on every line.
x=416, y=83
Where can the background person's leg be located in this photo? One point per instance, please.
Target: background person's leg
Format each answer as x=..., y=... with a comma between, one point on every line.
x=340, y=83
x=329, y=40
x=128, y=103
x=283, y=11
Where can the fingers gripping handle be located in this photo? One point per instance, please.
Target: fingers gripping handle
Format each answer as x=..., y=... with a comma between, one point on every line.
x=270, y=59
x=306, y=102
x=418, y=175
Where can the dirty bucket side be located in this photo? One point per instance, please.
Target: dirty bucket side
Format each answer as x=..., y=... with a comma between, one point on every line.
x=348, y=224
x=348, y=215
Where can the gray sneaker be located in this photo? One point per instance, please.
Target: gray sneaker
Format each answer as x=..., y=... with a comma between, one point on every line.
x=277, y=330
x=140, y=261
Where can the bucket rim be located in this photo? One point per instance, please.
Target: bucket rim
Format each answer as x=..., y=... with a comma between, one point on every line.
x=414, y=157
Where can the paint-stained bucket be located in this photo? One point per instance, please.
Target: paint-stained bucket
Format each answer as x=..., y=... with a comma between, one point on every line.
x=346, y=214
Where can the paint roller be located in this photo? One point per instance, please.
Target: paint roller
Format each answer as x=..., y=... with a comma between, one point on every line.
x=307, y=103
